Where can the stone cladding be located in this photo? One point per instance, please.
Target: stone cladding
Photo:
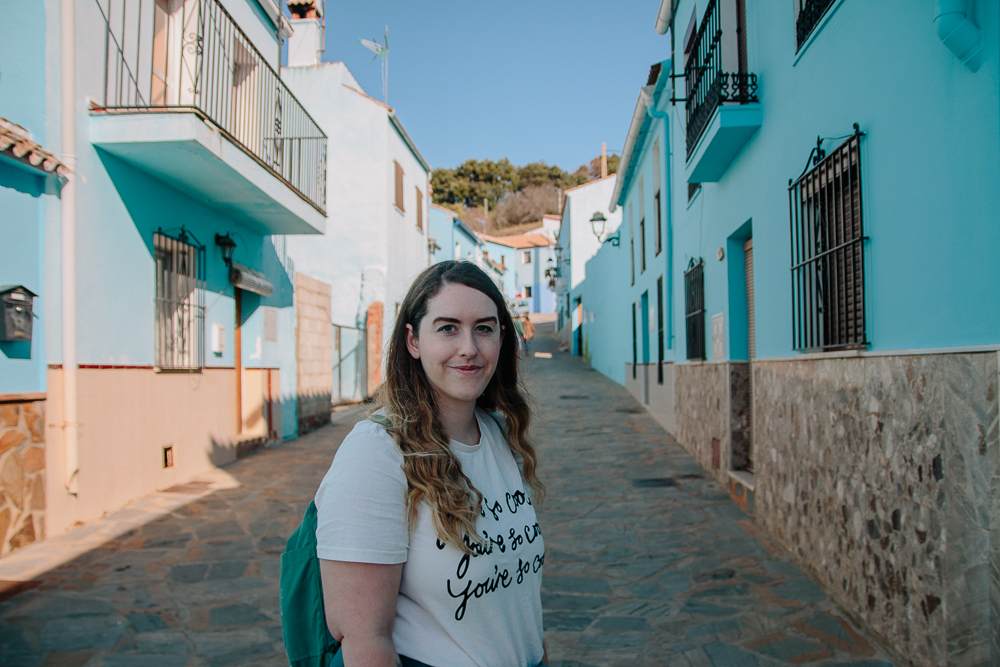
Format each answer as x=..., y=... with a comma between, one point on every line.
x=22, y=474
x=881, y=474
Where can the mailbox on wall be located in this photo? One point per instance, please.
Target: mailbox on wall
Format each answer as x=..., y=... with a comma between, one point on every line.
x=16, y=305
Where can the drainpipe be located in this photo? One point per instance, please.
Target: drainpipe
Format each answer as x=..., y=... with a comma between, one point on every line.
x=958, y=32
x=71, y=434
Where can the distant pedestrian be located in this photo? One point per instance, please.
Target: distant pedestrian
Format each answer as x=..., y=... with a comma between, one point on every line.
x=529, y=333
x=407, y=514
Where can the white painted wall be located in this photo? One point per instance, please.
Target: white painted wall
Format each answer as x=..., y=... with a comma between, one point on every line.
x=371, y=251
x=581, y=204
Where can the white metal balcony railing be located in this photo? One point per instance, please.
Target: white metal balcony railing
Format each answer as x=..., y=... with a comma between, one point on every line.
x=168, y=56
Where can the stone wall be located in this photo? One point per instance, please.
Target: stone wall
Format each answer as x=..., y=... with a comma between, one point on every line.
x=22, y=474
x=313, y=352
x=881, y=474
x=700, y=391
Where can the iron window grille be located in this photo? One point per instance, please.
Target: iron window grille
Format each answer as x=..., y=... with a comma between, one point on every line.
x=694, y=309
x=693, y=190
x=164, y=56
x=827, y=250
x=659, y=223
x=642, y=245
x=809, y=14
x=180, y=301
x=635, y=345
x=659, y=330
x=707, y=84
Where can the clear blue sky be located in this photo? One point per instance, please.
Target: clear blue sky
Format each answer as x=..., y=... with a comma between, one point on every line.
x=525, y=79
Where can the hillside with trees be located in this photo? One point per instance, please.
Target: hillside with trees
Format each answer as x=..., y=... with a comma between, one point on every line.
x=515, y=195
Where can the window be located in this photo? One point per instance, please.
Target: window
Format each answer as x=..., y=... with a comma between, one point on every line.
x=527, y=257
x=694, y=309
x=527, y=291
x=642, y=245
x=420, y=210
x=693, y=190
x=180, y=307
x=807, y=16
x=659, y=329
x=458, y=251
x=631, y=242
x=828, y=295
x=659, y=233
x=635, y=345
x=399, y=186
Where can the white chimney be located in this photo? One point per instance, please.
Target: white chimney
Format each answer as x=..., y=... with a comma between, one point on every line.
x=306, y=43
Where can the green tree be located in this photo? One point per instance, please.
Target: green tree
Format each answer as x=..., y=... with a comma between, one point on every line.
x=473, y=181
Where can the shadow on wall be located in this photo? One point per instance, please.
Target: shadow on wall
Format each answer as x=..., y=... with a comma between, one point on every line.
x=17, y=349
x=153, y=206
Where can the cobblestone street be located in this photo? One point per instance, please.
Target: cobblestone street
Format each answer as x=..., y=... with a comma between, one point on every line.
x=648, y=562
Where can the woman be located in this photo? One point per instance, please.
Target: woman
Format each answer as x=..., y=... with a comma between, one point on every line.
x=430, y=551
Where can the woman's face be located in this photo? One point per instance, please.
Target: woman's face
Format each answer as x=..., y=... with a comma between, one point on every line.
x=458, y=344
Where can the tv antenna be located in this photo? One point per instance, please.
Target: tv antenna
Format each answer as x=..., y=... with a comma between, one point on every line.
x=381, y=51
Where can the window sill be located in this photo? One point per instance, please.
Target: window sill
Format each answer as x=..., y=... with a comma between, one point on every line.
x=747, y=479
x=816, y=31
x=399, y=210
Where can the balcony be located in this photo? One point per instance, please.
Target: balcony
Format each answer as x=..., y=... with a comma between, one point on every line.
x=723, y=110
x=190, y=100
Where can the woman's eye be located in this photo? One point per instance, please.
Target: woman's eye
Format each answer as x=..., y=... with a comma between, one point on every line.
x=447, y=328
x=484, y=328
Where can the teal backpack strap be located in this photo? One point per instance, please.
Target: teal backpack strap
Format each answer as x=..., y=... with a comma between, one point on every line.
x=308, y=641
x=381, y=420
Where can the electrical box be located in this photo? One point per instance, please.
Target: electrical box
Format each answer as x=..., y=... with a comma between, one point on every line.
x=16, y=301
x=218, y=339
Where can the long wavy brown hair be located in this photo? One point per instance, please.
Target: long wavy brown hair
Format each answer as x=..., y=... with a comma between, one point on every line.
x=433, y=472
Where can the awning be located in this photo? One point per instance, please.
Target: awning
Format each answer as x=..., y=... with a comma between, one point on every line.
x=250, y=280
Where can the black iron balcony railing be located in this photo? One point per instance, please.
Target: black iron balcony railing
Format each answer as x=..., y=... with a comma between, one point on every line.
x=191, y=56
x=810, y=12
x=707, y=84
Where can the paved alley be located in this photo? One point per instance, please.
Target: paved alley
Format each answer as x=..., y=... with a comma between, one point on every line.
x=648, y=562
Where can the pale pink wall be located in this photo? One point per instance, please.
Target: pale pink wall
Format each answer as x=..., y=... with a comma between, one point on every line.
x=126, y=418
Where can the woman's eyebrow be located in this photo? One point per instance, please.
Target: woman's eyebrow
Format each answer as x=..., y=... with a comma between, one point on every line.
x=453, y=320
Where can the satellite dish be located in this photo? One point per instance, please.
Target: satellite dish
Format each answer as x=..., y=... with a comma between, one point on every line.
x=381, y=51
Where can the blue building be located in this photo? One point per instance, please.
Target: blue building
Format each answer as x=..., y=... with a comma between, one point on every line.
x=165, y=300
x=531, y=270
x=31, y=179
x=450, y=238
x=802, y=292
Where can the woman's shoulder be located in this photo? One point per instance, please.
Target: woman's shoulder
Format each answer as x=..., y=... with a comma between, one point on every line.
x=369, y=442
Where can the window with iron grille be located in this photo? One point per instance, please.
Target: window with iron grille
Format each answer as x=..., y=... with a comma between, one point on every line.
x=807, y=16
x=659, y=233
x=642, y=245
x=635, y=345
x=694, y=309
x=659, y=329
x=180, y=306
x=827, y=239
x=693, y=190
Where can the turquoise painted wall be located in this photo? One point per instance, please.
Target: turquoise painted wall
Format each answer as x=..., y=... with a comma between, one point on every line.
x=23, y=100
x=930, y=176
x=447, y=231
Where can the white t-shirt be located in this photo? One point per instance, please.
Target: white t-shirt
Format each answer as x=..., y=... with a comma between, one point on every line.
x=453, y=610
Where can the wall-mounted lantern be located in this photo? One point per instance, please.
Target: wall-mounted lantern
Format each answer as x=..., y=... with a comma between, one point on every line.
x=16, y=302
x=598, y=221
x=226, y=247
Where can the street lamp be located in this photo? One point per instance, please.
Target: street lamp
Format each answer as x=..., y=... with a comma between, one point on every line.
x=226, y=247
x=598, y=222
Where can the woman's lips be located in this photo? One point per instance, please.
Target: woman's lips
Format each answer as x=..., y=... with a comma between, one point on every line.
x=467, y=369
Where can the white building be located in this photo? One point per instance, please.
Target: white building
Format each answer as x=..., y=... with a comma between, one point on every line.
x=376, y=240
x=577, y=242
